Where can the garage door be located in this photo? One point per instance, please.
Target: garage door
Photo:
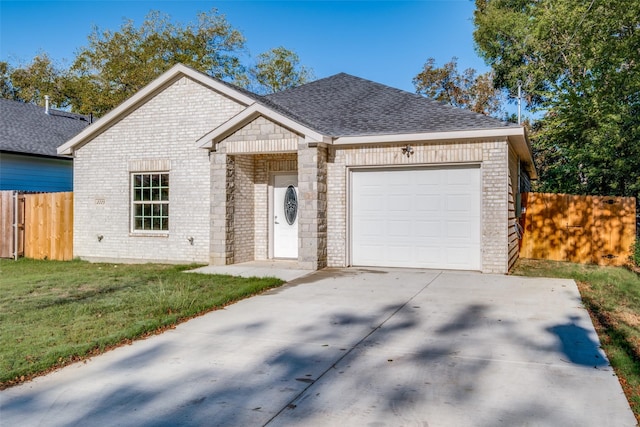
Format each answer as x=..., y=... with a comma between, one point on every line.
x=424, y=218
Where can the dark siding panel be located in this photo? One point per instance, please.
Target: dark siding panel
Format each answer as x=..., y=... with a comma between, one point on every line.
x=525, y=181
x=513, y=241
x=26, y=173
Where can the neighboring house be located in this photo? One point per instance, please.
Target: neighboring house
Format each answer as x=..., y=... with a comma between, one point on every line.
x=338, y=172
x=29, y=137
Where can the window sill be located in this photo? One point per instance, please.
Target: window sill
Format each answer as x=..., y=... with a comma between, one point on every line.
x=143, y=234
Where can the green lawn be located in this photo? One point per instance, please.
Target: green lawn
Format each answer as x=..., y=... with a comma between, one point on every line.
x=53, y=313
x=612, y=297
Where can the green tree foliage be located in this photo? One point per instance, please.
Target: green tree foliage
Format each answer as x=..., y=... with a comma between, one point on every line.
x=464, y=90
x=580, y=62
x=32, y=82
x=115, y=65
x=6, y=88
x=278, y=69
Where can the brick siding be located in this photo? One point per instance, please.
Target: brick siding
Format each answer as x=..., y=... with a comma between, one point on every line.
x=491, y=155
x=159, y=135
x=221, y=199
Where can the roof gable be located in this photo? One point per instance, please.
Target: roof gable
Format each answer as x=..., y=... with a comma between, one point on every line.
x=28, y=129
x=250, y=114
x=159, y=84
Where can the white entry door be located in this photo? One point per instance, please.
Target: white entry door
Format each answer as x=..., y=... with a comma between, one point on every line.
x=285, y=216
x=424, y=218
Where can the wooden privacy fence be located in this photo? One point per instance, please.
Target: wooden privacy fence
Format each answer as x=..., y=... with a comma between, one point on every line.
x=42, y=229
x=10, y=237
x=584, y=229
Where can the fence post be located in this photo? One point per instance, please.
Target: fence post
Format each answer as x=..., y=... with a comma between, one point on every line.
x=15, y=225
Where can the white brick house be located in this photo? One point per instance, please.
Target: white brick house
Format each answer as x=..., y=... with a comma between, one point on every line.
x=337, y=172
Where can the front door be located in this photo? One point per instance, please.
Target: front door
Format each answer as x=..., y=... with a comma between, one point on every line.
x=285, y=216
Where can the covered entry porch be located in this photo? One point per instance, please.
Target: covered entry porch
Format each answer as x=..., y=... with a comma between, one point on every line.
x=268, y=197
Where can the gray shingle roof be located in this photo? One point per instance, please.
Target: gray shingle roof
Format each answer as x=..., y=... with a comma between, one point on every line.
x=345, y=105
x=261, y=99
x=25, y=128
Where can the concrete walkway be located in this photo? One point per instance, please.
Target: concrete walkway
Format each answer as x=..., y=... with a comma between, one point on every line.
x=352, y=347
x=283, y=270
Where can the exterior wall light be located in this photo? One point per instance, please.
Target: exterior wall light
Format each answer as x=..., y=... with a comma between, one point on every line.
x=407, y=151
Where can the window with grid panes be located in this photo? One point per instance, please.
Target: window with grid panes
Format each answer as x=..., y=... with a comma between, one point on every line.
x=150, y=202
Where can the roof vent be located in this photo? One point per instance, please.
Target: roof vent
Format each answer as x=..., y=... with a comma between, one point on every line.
x=46, y=104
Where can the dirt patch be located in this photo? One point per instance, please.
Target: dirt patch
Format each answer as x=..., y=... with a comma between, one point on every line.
x=631, y=319
x=633, y=268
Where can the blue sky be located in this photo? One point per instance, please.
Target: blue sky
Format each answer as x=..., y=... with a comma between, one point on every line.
x=384, y=41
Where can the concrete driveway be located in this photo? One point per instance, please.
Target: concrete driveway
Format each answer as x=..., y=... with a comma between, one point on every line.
x=352, y=347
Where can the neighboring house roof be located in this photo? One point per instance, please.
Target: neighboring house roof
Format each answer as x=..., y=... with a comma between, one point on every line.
x=27, y=129
x=345, y=105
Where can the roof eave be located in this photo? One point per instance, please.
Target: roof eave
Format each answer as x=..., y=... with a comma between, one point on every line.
x=47, y=156
x=522, y=147
x=516, y=135
x=166, y=79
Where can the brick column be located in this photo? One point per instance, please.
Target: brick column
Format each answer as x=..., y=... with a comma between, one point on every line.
x=337, y=206
x=222, y=206
x=312, y=209
x=495, y=207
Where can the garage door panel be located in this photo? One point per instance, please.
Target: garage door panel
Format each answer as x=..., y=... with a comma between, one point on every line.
x=461, y=203
x=428, y=203
x=426, y=218
x=372, y=203
x=458, y=258
x=428, y=253
x=454, y=179
x=399, y=229
x=398, y=203
x=368, y=228
x=369, y=253
x=426, y=229
x=395, y=253
x=459, y=230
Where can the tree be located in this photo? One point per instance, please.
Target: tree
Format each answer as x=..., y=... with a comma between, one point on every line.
x=550, y=44
x=580, y=62
x=465, y=90
x=279, y=69
x=6, y=88
x=32, y=82
x=115, y=65
x=590, y=143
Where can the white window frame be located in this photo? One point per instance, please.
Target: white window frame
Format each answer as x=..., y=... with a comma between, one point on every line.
x=150, y=197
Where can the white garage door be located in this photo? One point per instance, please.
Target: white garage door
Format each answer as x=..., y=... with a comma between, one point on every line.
x=424, y=218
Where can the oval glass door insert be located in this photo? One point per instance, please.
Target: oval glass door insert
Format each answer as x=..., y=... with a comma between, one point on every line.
x=290, y=205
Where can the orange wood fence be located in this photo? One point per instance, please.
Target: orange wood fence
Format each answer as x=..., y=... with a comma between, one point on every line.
x=584, y=229
x=45, y=225
x=49, y=226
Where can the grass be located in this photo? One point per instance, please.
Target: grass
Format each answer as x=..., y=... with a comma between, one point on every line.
x=53, y=313
x=635, y=252
x=612, y=297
